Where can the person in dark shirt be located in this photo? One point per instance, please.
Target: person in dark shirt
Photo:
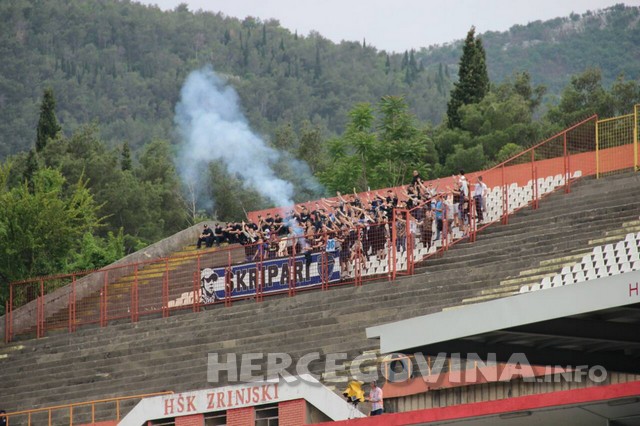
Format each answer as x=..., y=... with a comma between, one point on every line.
x=392, y=199
x=268, y=222
x=206, y=237
x=304, y=216
x=416, y=180
x=218, y=235
x=280, y=229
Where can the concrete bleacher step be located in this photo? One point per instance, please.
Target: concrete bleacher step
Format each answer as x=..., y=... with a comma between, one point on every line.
x=171, y=353
x=556, y=264
x=470, y=253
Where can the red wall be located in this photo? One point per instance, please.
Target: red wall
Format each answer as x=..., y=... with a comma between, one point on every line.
x=292, y=413
x=241, y=417
x=194, y=420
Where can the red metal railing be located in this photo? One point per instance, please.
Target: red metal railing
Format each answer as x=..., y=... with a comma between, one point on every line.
x=290, y=265
x=523, y=180
x=75, y=413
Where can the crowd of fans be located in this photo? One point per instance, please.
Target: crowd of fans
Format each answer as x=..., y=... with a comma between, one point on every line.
x=356, y=227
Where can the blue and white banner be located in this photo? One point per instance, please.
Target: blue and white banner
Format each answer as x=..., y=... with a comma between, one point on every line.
x=245, y=277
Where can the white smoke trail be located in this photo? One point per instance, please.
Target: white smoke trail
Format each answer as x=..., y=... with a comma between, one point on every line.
x=213, y=128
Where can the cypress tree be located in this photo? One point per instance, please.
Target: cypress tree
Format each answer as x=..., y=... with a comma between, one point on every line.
x=31, y=168
x=473, y=79
x=317, y=68
x=125, y=159
x=48, y=126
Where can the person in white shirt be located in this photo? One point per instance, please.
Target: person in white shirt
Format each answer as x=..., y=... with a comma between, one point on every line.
x=375, y=396
x=479, y=193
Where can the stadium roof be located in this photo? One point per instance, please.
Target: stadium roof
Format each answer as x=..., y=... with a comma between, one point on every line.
x=594, y=323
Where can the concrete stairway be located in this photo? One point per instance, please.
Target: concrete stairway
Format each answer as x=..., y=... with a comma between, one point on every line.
x=171, y=353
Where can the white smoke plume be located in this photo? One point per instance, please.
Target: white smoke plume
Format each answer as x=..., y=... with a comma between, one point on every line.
x=213, y=128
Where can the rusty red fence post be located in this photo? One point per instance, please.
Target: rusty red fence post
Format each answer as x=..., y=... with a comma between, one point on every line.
x=472, y=218
x=444, y=238
x=505, y=199
x=165, y=290
x=133, y=302
x=194, y=292
x=389, y=243
x=40, y=326
x=105, y=295
x=410, y=244
x=260, y=277
x=568, y=190
x=359, y=252
x=10, y=314
x=536, y=195
x=534, y=182
x=72, y=305
x=228, y=276
x=7, y=339
x=292, y=267
x=394, y=247
x=133, y=294
x=324, y=267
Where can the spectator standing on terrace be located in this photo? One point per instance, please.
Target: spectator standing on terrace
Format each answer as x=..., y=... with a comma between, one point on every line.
x=439, y=208
x=392, y=198
x=278, y=222
x=456, y=201
x=479, y=193
x=416, y=180
x=464, y=199
x=375, y=397
x=448, y=214
x=260, y=250
x=206, y=237
x=3, y=418
x=426, y=229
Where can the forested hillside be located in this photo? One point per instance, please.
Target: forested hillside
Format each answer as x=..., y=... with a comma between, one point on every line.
x=553, y=50
x=122, y=64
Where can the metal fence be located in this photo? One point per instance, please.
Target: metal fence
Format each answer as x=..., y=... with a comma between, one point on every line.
x=348, y=252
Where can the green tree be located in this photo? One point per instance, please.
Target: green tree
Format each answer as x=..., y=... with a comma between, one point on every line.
x=583, y=97
x=97, y=252
x=366, y=158
x=48, y=126
x=473, y=79
x=125, y=158
x=625, y=93
x=31, y=168
x=360, y=136
x=507, y=151
x=311, y=147
x=43, y=226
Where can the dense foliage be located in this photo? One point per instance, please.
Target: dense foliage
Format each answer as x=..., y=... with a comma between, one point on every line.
x=554, y=50
x=122, y=64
